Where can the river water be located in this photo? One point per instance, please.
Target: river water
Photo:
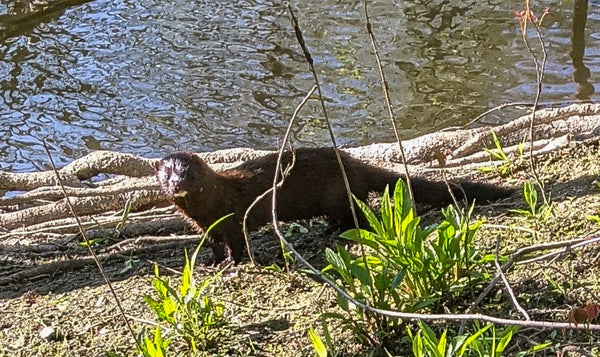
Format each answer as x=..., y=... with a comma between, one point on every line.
x=150, y=77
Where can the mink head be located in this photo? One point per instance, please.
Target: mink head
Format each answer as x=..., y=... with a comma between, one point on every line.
x=179, y=173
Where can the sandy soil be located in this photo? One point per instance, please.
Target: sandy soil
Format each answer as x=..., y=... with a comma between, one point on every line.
x=269, y=310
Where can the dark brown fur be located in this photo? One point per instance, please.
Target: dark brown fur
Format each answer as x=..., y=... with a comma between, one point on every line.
x=314, y=187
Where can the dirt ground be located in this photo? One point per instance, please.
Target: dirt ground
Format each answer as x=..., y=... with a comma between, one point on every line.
x=268, y=310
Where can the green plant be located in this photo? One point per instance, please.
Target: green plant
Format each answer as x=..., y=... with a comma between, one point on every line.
x=118, y=228
x=483, y=341
x=539, y=213
x=497, y=154
x=153, y=346
x=189, y=313
x=406, y=267
x=480, y=343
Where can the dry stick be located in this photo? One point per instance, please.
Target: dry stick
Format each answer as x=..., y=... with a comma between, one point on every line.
x=447, y=183
x=97, y=222
x=442, y=126
x=539, y=72
x=287, y=133
x=336, y=150
x=258, y=199
x=386, y=93
x=587, y=241
x=511, y=261
x=509, y=290
x=89, y=245
x=183, y=238
x=78, y=263
x=500, y=107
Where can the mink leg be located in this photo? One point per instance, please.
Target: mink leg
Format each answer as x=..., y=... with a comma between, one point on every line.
x=236, y=246
x=218, y=249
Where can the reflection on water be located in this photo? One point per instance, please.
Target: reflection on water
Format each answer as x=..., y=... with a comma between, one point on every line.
x=581, y=73
x=150, y=77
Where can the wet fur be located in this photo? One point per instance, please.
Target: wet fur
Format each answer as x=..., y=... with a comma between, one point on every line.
x=313, y=188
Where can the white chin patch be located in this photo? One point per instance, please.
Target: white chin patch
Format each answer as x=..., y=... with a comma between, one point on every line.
x=180, y=194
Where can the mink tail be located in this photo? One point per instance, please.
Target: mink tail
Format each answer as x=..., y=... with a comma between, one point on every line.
x=435, y=193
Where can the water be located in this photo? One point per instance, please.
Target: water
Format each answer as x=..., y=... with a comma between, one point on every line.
x=150, y=77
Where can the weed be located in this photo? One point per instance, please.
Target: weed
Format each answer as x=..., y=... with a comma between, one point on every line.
x=538, y=213
x=483, y=341
x=154, y=347
x=190, y=314
x=118, y=230
x=498, y=154
x=406, y=268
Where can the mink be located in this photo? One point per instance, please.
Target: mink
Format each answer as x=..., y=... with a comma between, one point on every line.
x=314, y=187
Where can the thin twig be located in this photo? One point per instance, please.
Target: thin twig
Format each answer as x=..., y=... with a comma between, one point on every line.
x=499, y=107
x=259, y=198
x=78, y=263
x=513, y=259
x=255, y=202
x=539, y=72
x=386, y=93
x=509, y=290
x=562, y=251
x=183, y=238
x=449, y=188
x=89, y=245
x=336, y=150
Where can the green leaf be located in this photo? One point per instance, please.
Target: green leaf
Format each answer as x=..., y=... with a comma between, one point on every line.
x=187, y=278
x=318, y=345
x=530, y=196
x=367, y=238
x=338, y=264
x=170, y=292
x=158, y=342
x=343, y=302
x=402, y=202
x=361, y=273
x=473, y=338
x=334, y=259
x=417, y=345
x=343, y=253
x=156, y=307
x=541, y=346
x=397, y=280
x=428, y=334
x=441, y=347
x=370, y=216
x=498, y=152
x=387, y=215
x=505, y=340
